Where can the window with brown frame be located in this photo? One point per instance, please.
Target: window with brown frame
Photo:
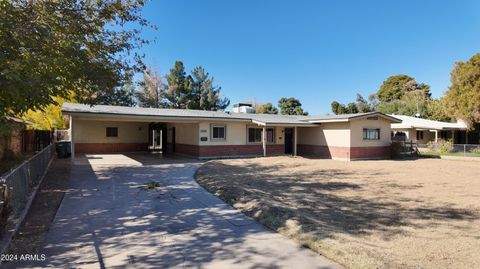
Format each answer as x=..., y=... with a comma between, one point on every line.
x=112, y=132
x=371, y=134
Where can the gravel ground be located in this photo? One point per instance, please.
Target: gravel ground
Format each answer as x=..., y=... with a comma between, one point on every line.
x=364, y=214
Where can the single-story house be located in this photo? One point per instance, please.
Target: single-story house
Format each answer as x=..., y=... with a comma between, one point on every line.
x=423, y=131
x=217, y=134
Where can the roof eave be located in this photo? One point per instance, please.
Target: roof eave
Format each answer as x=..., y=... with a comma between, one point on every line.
x=283, y=124
x=153, y=117
x=329, y=120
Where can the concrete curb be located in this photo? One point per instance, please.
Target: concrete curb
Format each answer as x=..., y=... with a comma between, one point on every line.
x=459, y=158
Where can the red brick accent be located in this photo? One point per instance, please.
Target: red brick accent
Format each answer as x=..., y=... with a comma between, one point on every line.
x=185, y=149
x=344, y=152
x=226, y=150
x=313, y=150
x=240, y=150
x=370, y=152
x=109, y=147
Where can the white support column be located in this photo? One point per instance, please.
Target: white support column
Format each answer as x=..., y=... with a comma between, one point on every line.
x=436, y=136
x=295, y=142
x=72, y=138
x=264, y=141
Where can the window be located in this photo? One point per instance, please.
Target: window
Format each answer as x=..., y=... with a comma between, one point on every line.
x=255, y=135
x=219, y=132
x=112, y=131
x=371, y=134
x=419, y=135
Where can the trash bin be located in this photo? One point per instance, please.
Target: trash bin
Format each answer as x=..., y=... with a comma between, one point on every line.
x=63, y=149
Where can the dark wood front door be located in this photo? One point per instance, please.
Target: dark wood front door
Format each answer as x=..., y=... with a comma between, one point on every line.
x=288, y=140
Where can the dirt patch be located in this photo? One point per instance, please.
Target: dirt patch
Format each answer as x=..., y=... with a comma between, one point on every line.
x=364, y=214
x=31, y=235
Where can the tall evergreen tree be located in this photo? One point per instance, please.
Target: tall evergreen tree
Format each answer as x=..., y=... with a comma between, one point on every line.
x=179, y=92
x=206, y=95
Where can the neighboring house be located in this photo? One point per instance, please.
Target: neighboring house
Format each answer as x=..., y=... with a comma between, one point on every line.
x=423, y=131
x=216, y=134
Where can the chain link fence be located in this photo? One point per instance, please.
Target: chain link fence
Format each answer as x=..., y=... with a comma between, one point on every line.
x=453, y=149
x=17, y=185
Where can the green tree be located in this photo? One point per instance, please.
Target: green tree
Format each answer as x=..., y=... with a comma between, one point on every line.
x=338, y=108
x=179, y=92
x=462, y=99
x=395, y=87
x=352, y=108
x=411, y=104
x=206, y=95
x=363, y=105
x=267, y=108
x=121, y=96
x=291, y=106
x=49, y=48
x=436, y=110
x=152, y=90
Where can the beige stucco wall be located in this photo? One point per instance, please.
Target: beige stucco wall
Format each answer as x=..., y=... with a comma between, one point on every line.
x=185, y=133
x=236, y=133
x=357, y=126
x=89, y=131
x=331, y=134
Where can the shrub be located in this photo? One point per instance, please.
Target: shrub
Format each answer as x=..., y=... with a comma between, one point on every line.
x=444, y=146
x=475, y=150
x=431, y=146
x=396, y=149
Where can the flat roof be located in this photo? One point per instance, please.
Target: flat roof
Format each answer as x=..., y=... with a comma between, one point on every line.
x=349, y=117
x=192, y=114
x=419, y=123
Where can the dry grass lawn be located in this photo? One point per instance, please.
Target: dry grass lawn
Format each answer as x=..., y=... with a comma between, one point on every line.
x=365, y=214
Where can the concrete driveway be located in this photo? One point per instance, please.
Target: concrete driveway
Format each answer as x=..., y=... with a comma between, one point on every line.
x=108, y=220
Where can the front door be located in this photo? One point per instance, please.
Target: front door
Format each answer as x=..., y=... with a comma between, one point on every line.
x=157, y=137
x=288, y=140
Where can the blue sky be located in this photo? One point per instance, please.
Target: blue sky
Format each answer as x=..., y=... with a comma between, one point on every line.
x=317, y=51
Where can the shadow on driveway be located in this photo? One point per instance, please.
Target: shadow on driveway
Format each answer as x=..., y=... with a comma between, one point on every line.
x=108, y=219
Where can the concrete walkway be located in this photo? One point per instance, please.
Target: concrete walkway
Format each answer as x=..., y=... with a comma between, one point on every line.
x=108, y=220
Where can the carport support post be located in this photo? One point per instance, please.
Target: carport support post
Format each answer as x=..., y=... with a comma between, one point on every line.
x=72, y=145
x=436, y=136
x=264, y=141
x=295, y=142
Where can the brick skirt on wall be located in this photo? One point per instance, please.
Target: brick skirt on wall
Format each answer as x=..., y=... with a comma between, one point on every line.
x=185, y=149
x=229, y=150
x=344, y=152
x=109, y=147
